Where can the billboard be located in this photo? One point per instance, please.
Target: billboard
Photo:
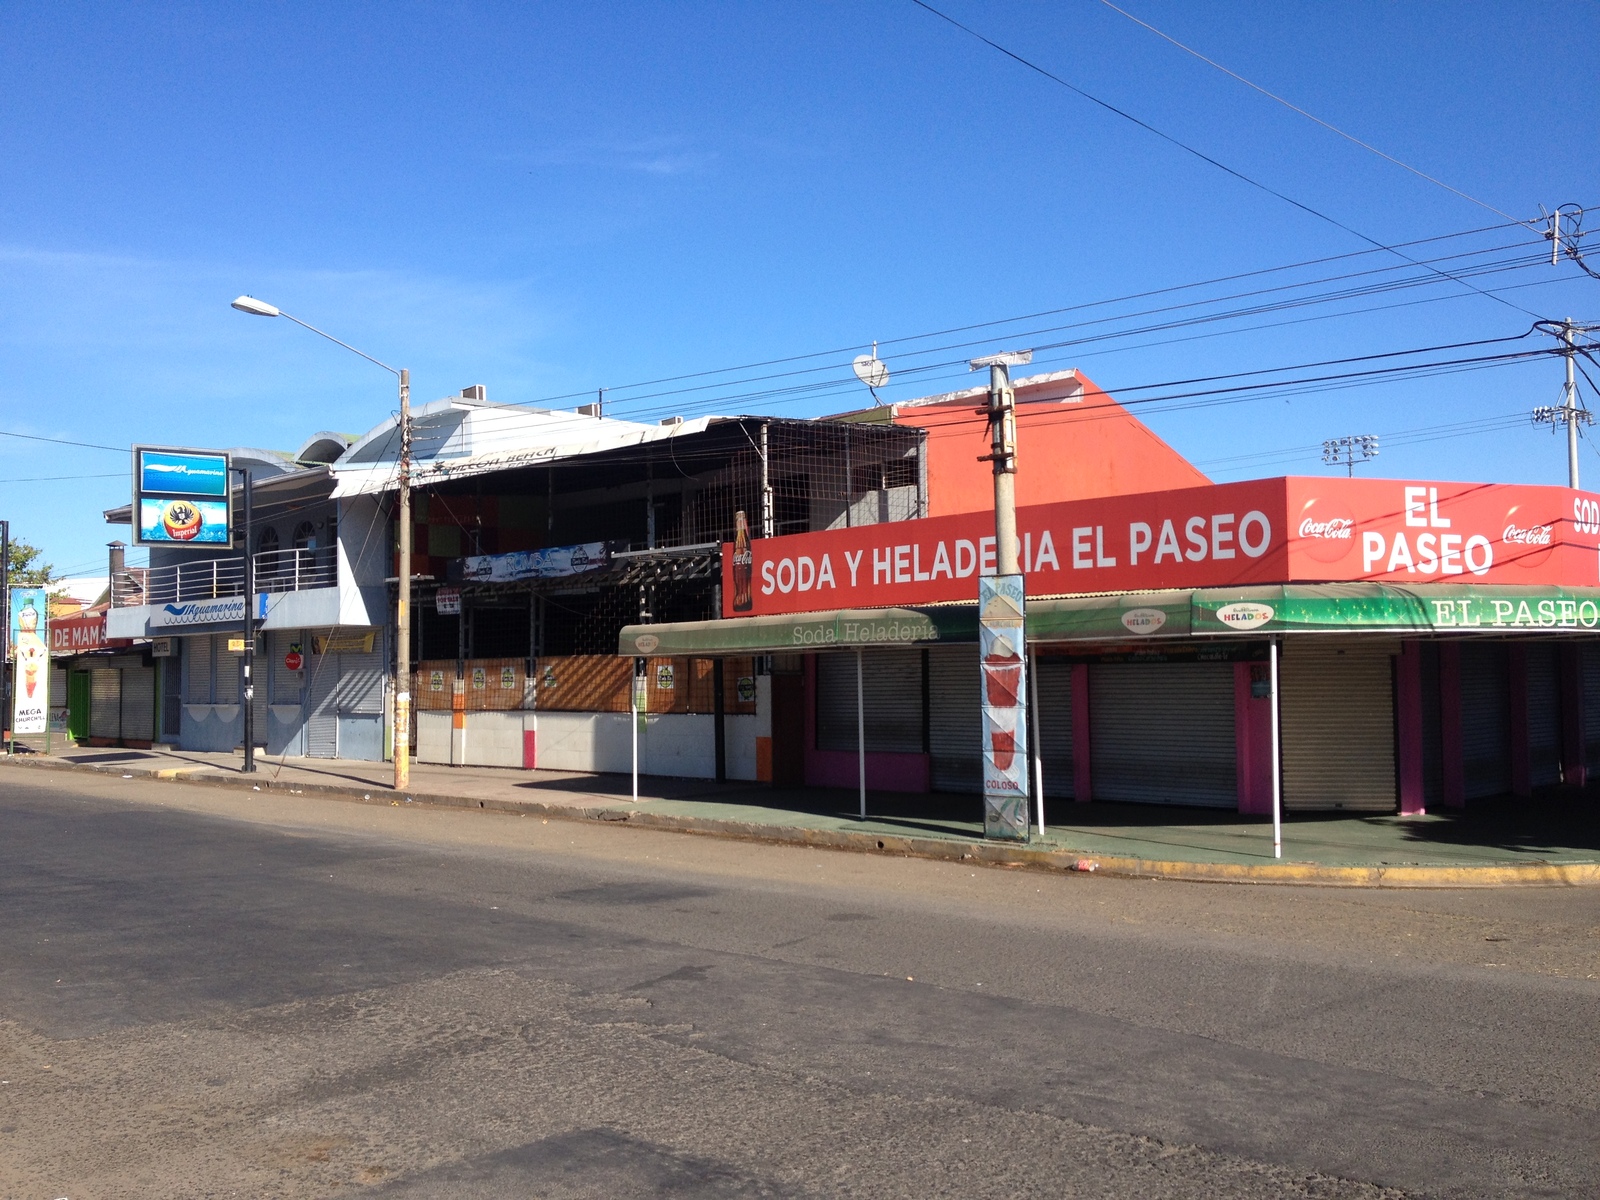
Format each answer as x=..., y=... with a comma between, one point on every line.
x=182, y=498
x=1003, y=666
x=1265, y=531
x=30, y=634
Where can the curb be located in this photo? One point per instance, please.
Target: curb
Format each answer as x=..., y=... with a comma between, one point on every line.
x=1527, y=874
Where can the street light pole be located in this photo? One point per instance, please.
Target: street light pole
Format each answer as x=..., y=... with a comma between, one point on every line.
x=402, y=658
x=249, y=633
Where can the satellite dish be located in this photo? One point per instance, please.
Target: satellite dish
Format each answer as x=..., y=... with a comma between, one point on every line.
x=871, y=370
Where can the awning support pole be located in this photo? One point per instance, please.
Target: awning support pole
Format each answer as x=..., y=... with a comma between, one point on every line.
x=633, y=723
x=1277, y=770
x=861, y=735
x=1033, y=737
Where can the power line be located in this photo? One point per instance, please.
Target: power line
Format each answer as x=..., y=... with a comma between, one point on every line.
x=1200, y=154
x=33, y=437
x=56, y=478
x=1211, y=62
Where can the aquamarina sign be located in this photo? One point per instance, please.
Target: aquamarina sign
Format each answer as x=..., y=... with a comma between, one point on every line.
x=222, y=611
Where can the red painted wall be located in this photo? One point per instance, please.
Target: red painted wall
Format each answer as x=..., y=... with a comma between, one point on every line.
x=1073, y=442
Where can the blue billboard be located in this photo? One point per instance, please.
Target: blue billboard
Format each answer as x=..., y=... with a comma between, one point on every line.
x=182, y=498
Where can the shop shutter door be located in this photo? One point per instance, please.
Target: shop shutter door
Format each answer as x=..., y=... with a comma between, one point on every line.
x=139, y=704
x=954, y=732
x=197, y=660
x=285, y=683
x=1544, y=715
x=171, y=697
x=322, y=724
x=105, y=703
x=1162, y=733
x=227, y=670
x=1053, y=720
x=1591, y=705
x=58, y=687
x=1338, y=724
x=892, y=694
x=1485, y=719
x=360, y=683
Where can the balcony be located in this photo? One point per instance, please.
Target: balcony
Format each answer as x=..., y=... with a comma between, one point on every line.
x=210, y=579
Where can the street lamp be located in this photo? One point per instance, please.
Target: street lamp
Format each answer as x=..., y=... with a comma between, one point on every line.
x=402, y=669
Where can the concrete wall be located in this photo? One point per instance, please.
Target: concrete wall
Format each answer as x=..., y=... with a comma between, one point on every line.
x=212, y=726
x=670, y=744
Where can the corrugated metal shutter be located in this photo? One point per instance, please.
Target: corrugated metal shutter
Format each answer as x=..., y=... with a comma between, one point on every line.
x=1544, y=715
x=1162, y=733
x=197, y=661
x=285, y=683
x=954, y=731
x=1432, y=729
x=892, y=694
x=1338, y=724
x=139, y=703
x=1591, y=705
x=1485, y=719
x=171, y=696
x=105, y=703
x=58, y=686
x=322, y=722
x=1053, y=720
x=360, y=683
x=227, y=670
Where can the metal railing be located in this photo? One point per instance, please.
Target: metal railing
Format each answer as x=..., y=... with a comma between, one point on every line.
x=276, y=571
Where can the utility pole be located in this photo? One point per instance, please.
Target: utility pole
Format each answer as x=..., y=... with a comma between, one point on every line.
x=1003, y=455
x=249, y=633
x=402, y=616
x=1568, y=412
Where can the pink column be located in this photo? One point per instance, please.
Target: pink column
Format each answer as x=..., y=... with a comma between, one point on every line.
x=1252, y=732
x=1408, y=695
x=1521, y=766
x=1574, y=764
x=1082, y=791
x=1454, y=772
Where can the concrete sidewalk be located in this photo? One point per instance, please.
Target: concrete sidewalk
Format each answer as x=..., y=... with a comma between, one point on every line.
x=1553, y=841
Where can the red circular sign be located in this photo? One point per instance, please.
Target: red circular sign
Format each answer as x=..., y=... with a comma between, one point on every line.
x=292, y=661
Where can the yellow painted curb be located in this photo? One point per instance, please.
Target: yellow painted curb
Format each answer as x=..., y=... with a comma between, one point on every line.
x=1532, y=874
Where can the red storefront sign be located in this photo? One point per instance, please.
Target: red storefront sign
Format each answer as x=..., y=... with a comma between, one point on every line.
x=1286, y=530
x=74, y=635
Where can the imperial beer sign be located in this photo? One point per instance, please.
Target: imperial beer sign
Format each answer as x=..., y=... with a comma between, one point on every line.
x=1289, y=530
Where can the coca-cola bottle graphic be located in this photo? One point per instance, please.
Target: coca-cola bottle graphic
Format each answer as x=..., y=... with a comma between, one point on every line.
x=743, y=599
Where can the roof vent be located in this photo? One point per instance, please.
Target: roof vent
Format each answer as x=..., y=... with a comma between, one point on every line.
x=672, y=420
x=476, y=392
x=588, y=410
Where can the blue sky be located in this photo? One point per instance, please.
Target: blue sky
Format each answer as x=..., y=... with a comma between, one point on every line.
x=553, y=198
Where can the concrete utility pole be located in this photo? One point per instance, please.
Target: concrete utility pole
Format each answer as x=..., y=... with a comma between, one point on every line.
x=1568, y=412
x=249, y=632
x=1003, y=454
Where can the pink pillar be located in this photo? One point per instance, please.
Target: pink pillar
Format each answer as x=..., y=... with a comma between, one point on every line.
x=1454, y=772
x=1252, y=732
x=1521, y=766
x=1082, y=791
x=1574, y=764
x=1408, y=695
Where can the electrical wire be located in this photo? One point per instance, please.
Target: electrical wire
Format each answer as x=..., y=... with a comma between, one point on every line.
x=1211, y=62
x=33, y=437
x=1204, y=157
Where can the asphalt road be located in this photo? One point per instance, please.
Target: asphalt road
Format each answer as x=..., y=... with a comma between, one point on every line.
x=214, y=993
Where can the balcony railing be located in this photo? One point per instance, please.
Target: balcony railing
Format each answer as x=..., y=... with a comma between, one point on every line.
x=276, y=571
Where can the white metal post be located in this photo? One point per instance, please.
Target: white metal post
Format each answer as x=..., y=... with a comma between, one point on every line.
x=633, y=719
x=861, y=735
x=1034, y=738
x=1277, y=772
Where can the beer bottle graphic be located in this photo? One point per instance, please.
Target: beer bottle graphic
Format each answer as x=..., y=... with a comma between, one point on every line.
x=743, y=600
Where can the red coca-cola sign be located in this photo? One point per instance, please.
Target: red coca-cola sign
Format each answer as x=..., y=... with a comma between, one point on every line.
x=1325, y=531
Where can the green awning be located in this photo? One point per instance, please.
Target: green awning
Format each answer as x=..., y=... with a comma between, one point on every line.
x=1153, y=616
x=840, y=629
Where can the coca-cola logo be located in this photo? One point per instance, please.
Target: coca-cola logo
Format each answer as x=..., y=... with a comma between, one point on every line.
x=1327, y=531
x=742, y=558
x=1335, y=527
x=1529, y=535
x=1539, y=535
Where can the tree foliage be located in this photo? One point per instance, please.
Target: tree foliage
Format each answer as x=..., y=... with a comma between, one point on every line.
x=27, y=566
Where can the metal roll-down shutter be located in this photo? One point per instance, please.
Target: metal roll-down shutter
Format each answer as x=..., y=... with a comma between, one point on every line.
x=1337, y=708
x=1053, y=720
x=1591, y=705
x=954, y=730
x=1162, y=733
x=1485, y=719
x=322, y=721
x=105, y=703
x=1544, y=715
x=139, y=704
x=891, y=685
